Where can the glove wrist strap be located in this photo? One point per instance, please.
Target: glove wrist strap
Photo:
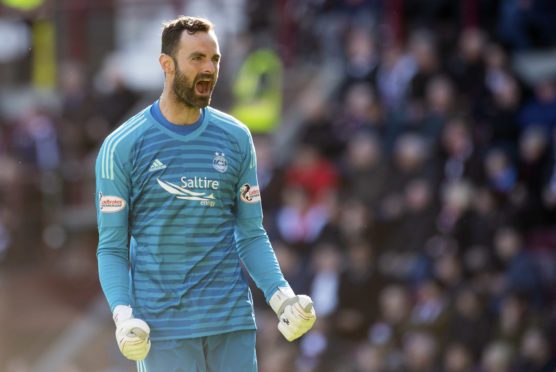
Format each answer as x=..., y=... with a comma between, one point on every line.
x=122, y=313
x=281, y=298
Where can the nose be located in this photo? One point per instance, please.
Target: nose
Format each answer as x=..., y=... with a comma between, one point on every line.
x=210, y=67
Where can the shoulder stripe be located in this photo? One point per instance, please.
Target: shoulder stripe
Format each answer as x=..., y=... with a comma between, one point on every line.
x=226, y=118
x=113, y=149
x=110, y=139
x=114, y=140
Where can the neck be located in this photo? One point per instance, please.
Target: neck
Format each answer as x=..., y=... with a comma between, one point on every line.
x=177, y=112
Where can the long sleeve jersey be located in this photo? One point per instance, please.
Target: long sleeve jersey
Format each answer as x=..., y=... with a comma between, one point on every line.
x=178, y=211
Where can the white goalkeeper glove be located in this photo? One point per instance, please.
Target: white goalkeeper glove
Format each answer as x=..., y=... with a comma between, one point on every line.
x=295, y=313
x=132, y=334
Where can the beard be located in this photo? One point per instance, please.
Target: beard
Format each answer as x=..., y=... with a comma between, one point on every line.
x=185, y=91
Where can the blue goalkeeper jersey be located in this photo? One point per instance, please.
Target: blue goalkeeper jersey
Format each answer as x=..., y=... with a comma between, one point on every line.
x=178, y=210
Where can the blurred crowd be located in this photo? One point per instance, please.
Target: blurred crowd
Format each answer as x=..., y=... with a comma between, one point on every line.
x=47, y=157
x=416, y=203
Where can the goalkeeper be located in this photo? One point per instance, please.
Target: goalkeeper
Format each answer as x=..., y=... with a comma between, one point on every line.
x=177, y=184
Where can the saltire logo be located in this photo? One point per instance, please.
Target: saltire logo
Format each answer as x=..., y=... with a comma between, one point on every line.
x=184, y=193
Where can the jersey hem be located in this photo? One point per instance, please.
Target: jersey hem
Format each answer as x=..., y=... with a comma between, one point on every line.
x=204, y=334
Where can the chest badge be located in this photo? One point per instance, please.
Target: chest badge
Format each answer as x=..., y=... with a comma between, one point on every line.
x=219, y=162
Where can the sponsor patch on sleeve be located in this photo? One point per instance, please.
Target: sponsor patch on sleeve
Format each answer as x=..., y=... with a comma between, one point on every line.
x=250, y=194
x=110, y=203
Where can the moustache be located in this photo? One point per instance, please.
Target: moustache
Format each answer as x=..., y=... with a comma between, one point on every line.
x=206, y=77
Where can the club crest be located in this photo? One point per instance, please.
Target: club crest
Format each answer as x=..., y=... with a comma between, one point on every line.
x=219, y=162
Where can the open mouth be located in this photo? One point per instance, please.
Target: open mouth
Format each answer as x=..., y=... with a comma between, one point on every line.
x=203, y=87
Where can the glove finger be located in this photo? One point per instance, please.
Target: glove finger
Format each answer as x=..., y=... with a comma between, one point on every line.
x=130, y=344
x=136, y=351
x=135, y=327
x=289, y=332
x=298, y=320
x=136, y=356
x=296, y=314
x=306, y=303
x=138, y=332
x=291, y=317
x=134, y=340
x=135, y=348
x=294, y=322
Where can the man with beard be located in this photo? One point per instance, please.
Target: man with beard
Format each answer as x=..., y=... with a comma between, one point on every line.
x=179, y=179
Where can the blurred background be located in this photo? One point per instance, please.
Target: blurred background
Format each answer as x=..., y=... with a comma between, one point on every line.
x=406, y=154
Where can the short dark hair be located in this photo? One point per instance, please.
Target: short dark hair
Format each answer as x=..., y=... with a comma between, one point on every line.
x=172, y=30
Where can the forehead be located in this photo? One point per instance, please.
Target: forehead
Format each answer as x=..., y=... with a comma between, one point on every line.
x=199, y=42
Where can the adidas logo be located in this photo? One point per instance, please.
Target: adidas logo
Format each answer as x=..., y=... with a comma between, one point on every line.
x=157, y=165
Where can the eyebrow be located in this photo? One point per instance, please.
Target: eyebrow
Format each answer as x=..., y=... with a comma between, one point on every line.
x=199, y=54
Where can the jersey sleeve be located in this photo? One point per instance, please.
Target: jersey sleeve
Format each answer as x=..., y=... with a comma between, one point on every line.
x=112, y=205
x=254, y=247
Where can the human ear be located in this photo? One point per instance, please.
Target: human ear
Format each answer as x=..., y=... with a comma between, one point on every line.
x=167, y=63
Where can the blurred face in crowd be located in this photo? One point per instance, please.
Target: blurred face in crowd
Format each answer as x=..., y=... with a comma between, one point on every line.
x=370, y=358
x=440, y=94
x=197, y=61
x=532, y=144
x=546, y=90
x=448, y=269
x=409, y=152
x=457, y=359
x=364, y=152
x=496, y=163
x=455, y=137
x=420, y=351
x=423, y=50
x=471, y=44
x=359, y=99
x=535, y=346
x=468, y=304
x=496, y=357
x=507, y=243
x=395, y=304
x=495, y=57
x=508, y=94
x=417, y=195
x=361, y=49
